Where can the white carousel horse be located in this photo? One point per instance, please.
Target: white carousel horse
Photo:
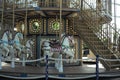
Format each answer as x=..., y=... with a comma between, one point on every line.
x=28, y=48
x=7, y=36
x=68, y=44
x=64, y=47
x=46, y=48
x=17, y=43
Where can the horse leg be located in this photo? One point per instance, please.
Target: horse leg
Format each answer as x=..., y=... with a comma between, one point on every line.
x=71, y=55
x=19, y=52
x=30, y=55
x=60, y=63
x=7, y=51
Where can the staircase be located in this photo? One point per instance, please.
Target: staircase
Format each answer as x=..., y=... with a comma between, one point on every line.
x=89, y=26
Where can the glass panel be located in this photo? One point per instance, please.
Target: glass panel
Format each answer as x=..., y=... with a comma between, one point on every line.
x=112, y=9
x=117, y=1
x=89, y=3
x=42, y=3
x=74, y=3
x=118, y=22
x=117, y=10
x=1, y=3
x=52, y=3
x=116, y=13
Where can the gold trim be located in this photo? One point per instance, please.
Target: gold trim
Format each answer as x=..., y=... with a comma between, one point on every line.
x=50, y=22
x=39, y=29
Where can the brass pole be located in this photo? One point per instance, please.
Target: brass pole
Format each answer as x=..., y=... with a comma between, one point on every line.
x=25, y=28
x=60, y=31
x=25, y=16
x=13, y=16
x=2, y=12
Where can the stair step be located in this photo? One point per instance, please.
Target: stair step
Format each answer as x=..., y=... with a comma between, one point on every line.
x=98, y=47
x=97, y=43
x=115, y=65
x=93, y=39
x=104, y=52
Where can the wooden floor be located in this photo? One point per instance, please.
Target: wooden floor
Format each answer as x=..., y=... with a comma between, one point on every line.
x=86, y=69
x=6, y=68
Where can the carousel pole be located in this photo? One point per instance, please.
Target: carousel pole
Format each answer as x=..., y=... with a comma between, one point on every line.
x=11, y=48
x=0, y=29
x=60, y=32
x=26, y=17
x=2, y=16
x=23, y=55
x=0, y=58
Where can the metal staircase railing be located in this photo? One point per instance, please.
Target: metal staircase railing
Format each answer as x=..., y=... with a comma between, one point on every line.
x=95, y=35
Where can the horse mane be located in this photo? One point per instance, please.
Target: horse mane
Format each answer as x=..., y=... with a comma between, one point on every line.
x=15, y=34
x=3, y=33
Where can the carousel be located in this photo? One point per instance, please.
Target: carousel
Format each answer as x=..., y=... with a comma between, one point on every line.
x=42, y=39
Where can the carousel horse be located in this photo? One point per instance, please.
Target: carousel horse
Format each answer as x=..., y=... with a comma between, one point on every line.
x=5, y=46
x=46, y=48
x=17, y=43
x=28, y=48
x=66, y=46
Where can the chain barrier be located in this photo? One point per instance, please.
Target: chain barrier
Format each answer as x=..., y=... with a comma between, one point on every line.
x=97, y=75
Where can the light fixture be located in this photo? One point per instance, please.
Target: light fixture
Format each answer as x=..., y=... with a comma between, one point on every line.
x=15, y=29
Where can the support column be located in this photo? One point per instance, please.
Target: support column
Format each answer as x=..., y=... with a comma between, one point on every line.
x=0, y=59
x=81, y=51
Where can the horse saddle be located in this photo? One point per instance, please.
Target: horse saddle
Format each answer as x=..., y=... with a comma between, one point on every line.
x=55, y=44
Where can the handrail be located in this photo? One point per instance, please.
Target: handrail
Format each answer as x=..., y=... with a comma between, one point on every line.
x=103, y=34
x=98, y=15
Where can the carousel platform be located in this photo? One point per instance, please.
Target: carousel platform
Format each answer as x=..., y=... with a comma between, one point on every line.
x=87, y=71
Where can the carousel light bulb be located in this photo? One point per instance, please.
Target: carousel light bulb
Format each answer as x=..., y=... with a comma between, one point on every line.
x=15, y=29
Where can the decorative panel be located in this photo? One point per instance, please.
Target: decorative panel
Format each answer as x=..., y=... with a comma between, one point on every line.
x=71, y=28
x=35, y=26
x=54, y=26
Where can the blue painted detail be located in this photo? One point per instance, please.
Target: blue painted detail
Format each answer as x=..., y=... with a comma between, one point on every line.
x=4, y=41
x=61, y=75
x=17, y=42
x=97, y=67
x=23, y=75
x=11, y=42
x=38, y=47
x=46, y=76
x=37, y=8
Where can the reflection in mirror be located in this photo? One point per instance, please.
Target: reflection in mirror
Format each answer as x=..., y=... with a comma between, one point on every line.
x=35, y=25
x=56, y=26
